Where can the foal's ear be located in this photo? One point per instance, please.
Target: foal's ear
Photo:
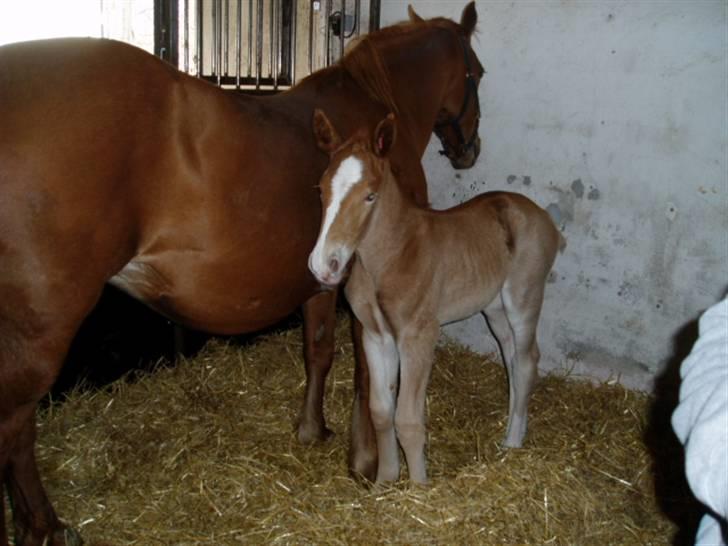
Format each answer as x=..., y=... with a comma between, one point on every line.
x=413, y=17
x=469, y=19
x=327, y=138
x=384, y=136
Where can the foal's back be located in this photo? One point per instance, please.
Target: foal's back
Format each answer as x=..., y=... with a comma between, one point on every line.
x=479, y=244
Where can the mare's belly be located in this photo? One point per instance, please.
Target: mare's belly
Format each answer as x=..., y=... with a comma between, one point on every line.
x=229, y=296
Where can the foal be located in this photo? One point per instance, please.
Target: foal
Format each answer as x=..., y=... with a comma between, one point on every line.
x=416, y=269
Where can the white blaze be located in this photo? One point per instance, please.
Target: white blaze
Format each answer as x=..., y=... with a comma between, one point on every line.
x=346, y=176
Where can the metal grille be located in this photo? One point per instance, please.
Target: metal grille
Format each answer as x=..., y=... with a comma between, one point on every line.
x=259, y=45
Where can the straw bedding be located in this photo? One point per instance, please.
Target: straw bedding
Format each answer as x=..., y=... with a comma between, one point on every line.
x=203, y=452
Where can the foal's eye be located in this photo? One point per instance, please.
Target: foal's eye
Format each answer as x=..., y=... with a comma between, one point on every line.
x=371, y=197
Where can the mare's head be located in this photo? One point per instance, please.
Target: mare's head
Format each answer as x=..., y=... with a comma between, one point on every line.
x=459, y=118
x=349, y=189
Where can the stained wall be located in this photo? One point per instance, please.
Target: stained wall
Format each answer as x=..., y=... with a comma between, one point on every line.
x=614, y=117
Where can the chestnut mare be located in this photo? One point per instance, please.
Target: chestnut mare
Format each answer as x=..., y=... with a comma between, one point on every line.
x=415, y=269
x=201, y=203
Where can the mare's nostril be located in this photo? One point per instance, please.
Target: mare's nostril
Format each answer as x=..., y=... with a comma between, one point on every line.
x=334, y=265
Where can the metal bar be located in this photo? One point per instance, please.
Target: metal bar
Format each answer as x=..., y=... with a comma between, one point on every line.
x=186, y=42
x=293, y=45
x=277, y=41
x=374, y=12
x=226, y=36
x=250, y=38
x=328, y=32
x=199, y=38
x=271, y=27
x=166, y=27
x=213, y=52
x=238, y=43
x=173, y=32
x=213, y=56
x=357, y=16
x=342, y=28
x=310, y=37
x=259, y=44
x=218, y=50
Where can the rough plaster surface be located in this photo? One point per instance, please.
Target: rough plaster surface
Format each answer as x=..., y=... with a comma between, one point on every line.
x=614, y=117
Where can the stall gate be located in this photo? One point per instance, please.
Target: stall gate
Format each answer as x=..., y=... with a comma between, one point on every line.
x=258, y=46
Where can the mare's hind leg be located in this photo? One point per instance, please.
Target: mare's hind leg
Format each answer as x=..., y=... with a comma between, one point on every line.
x=522, y=303
x=37, y=324
x=35, y=520
x=319, y=323
x=27, y=376
x=363, y=446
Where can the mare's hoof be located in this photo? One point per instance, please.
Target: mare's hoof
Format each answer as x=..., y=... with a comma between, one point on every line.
x=308, y=434
x=363, y=467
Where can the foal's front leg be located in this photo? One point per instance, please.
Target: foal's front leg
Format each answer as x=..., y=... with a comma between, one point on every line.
x=381, y=352
x=417, y=352
x=363, y=443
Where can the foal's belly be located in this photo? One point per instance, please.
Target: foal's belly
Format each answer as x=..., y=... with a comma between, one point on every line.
x=462, y=304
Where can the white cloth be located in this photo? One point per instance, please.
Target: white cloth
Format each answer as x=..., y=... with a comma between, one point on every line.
x=701, y=422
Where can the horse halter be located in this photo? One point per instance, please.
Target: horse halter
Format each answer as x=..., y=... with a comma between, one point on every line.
x=471, y=90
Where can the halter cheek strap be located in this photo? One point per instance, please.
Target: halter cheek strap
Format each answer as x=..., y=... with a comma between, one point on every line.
x=471, y=90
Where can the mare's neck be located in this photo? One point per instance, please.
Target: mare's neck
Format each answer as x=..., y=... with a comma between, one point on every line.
x=419, y=69
x=420, y=76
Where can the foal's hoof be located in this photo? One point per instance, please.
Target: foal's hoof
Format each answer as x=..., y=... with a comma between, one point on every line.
x=72, y=537
x=63, y=536
x=313, y=434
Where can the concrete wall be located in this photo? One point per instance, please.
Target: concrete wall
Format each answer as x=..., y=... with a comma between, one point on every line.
x=614, y=116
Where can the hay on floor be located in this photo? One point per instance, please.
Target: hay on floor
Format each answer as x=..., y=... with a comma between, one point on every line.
x=203, y=452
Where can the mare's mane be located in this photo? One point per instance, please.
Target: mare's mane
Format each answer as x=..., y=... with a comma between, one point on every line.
x=363, y=58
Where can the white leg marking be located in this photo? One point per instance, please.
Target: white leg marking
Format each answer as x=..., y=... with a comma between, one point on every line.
x=383, y=360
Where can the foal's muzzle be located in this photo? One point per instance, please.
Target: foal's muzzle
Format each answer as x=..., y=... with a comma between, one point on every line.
x=329, y=274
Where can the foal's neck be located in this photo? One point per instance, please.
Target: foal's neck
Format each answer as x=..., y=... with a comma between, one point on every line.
x=394, y=222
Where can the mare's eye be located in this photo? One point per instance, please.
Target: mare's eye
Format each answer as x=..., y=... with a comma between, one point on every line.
x=371, y=197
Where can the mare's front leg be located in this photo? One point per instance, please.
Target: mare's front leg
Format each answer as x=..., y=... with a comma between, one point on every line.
x=363, y=445
x=319, y=323
x=417, y=352
x=381, y=351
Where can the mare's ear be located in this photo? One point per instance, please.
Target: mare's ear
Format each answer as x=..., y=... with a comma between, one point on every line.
x=469, y=19
x=327, y=138
x=413, y=17
x=384, y=136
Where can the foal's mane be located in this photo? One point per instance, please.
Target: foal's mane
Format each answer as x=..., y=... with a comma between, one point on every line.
x=364, y=63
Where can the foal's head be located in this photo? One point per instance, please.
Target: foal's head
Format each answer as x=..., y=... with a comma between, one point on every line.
x=349, y=189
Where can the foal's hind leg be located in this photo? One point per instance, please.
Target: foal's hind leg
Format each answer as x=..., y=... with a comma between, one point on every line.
x=522, y=303
x=495, y=315
x=319, y=323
